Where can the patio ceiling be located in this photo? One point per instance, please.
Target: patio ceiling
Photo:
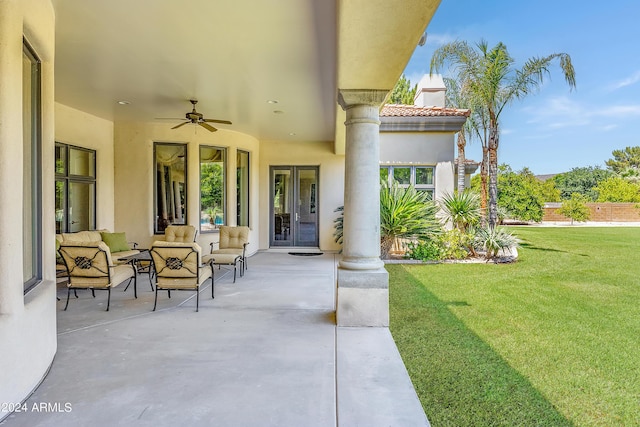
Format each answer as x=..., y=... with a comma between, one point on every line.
x=233, y=57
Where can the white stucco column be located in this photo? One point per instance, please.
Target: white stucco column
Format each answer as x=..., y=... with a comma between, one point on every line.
x=363, y=283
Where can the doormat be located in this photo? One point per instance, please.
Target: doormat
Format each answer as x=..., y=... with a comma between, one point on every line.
x=305, y=253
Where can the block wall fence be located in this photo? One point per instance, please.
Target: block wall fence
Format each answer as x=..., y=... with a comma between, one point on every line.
x=600, y=212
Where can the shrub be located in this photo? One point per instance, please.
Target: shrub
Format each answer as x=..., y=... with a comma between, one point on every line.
x=493, y=240
x=424, y=250
x=462, y=210
x=456, y=244
x=405, y=213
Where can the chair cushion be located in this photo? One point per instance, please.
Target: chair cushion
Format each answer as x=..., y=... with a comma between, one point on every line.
x=117, y=242
x=233, y=237
x=228, y=251
x=180, y=233
x=71, y=250
x=83, y=236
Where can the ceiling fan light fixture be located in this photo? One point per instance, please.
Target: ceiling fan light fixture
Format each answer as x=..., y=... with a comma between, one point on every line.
x=196, y=118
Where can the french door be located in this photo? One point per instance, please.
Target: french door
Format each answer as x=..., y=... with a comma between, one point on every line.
x=294, y=206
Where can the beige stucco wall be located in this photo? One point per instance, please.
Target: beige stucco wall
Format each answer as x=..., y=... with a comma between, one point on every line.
x=84, y=130
x=27, y=322
x=331, y=185
x=422, y=148
x=134, y=166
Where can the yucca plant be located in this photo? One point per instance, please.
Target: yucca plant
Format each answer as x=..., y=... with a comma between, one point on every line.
x=405, y=213
x=338, y=225
x=493, y=240
x=461, y=209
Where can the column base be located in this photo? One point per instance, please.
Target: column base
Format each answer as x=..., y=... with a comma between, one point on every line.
x=363, y=298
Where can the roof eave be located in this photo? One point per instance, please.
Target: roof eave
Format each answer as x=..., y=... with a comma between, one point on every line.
x=422, y=124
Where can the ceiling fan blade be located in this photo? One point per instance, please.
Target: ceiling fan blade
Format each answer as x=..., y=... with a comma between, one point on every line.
x=207, y=127
x=175, y=119
x=181, y=124
x=224, y=122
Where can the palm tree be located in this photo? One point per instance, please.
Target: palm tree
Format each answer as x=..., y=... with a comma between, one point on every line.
x=490, y=78
x=457, y=98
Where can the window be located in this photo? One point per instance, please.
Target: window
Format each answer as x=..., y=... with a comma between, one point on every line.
x=242, y=188
x=31, y=169
x=170, y=197
x=75, y=188
x=421, y=177
x=212, y=188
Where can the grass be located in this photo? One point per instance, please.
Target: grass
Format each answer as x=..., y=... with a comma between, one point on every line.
x=552, y=340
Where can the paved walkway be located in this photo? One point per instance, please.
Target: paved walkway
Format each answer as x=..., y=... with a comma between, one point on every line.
x=265, y=352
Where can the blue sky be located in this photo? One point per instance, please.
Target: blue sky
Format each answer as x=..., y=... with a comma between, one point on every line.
x=555, y=129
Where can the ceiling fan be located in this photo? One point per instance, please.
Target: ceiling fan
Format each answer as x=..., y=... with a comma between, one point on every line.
x=197, y=119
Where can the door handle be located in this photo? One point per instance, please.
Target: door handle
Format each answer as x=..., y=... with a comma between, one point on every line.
x=297, y=217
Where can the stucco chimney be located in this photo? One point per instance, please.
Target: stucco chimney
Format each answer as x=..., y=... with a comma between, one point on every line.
x=430, y=91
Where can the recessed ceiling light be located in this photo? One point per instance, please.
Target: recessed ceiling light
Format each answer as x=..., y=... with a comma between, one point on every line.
x=272, y=101
x=292, y=134
x=124, y=102
x=278, y=112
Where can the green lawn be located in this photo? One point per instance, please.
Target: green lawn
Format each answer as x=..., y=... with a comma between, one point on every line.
x=552, y=340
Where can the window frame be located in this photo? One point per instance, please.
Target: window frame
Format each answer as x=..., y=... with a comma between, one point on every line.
x=239, y=198
x=224, y=187
x=156, y=219
x=34, y=145
x=67, y=178
x=430, y=188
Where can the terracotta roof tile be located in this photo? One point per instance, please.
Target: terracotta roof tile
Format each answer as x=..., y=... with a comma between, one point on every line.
x=397, y=110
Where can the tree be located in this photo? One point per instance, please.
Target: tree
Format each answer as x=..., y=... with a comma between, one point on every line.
x=403, y=93
x=624, y=159
x=576, y=208
x=550, y=192
x=520, y=194
x=489, y=76
x=455, y=97
x=211, y=186
x=580, y=180
x=617, y=189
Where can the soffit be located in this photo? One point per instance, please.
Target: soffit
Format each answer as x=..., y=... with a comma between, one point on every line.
x=231, y=56
x=376, y=39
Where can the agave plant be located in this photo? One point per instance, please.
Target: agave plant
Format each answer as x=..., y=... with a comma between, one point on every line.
x=461, y=209
x=494, y=239
x=405, y=213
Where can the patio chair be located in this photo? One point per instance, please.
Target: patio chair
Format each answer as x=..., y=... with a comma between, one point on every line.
x=89, y=266
x=233, y=241
x=178, y=267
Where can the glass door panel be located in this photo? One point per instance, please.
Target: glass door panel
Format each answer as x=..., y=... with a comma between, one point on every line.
x=281, y=198
x=306, y=215
x=81, y=206
x=294, y=206
x=61, y=203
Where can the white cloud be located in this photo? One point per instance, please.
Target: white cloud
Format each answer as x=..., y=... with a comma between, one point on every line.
x=633, y=79
x=618, y=110
x=439, y=39
x=562, y=112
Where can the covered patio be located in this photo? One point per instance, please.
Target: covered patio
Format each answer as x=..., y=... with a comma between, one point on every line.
x=266, y=351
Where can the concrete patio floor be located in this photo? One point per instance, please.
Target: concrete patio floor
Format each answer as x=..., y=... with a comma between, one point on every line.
x=265, y=352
